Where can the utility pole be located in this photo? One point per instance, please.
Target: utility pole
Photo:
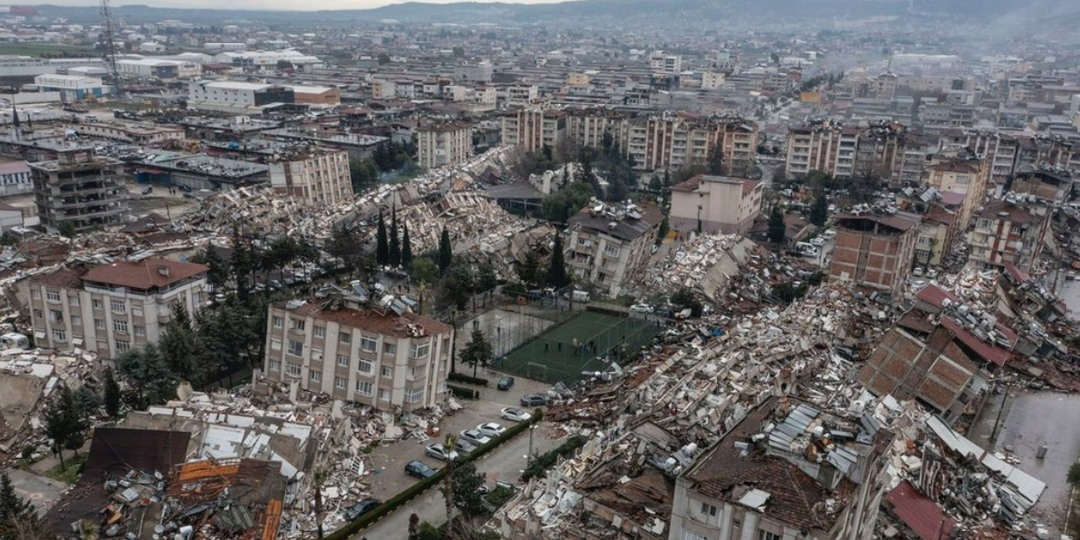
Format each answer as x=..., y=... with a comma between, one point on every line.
x=997, y=422
x=528, y=458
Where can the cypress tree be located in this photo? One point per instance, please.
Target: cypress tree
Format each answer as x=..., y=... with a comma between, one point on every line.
x=557, y=276
x=395, y=246
x=446, y=251
x=382, y=249
x=406, y=246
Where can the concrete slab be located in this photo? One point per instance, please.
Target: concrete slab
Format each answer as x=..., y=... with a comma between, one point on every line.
x=40, y=490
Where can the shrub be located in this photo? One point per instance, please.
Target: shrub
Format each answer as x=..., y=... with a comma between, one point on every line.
x=462, y=392
x=538, y=466
x=463, y=378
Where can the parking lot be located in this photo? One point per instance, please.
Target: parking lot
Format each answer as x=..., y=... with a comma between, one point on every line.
x=389, y=461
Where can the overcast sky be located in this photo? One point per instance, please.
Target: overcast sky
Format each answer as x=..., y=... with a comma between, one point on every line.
x=305, y=5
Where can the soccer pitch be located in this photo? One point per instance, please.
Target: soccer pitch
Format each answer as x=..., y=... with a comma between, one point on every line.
x=552, y=356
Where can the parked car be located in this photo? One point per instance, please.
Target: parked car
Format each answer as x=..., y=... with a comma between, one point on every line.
x=515, y=414
x=817, y=241
x=533, y=400
x=438, y=451
x=464, y=447
x=361, y=508
x=419, y=469
x=829, y=234
x=505, y=383
x=641, y=308
x=490, y=429
x=475, y=437
x=918, y=271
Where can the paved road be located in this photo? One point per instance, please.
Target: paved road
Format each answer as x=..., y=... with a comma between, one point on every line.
x=505, y=463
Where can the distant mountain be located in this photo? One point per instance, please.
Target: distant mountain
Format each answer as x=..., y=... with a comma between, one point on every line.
x=583, y=11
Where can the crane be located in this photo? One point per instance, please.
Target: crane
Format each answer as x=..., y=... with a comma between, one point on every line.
x=108, y=45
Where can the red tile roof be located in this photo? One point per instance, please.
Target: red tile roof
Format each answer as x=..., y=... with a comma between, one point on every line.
x=935, y=296
x=920, y=514
x=988, y=352
x=145, y=274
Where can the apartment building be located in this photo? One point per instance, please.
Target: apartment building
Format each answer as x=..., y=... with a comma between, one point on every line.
x=448, y=143
x=825, y=146
x=518, y=95
x=961, y=173
x=608, y=244
x=874, y=251
x=588, y=126
x=534, y=128
x=111, y=308
x=349, y=348
x=778, y=471
x=668, y=64
x=15, y=178
x=708, y=203
x=1008, y=231
x=1051, y=185
x=314, y=176
x=80, y=188
x=131, y=133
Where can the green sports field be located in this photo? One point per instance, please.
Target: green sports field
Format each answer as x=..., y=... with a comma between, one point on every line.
x=551, y=356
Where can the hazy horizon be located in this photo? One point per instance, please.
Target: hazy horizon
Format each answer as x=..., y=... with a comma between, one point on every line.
x=279, y=5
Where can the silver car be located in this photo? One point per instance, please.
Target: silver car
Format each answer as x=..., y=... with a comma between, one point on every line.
x=474, y=437
x=438, y=451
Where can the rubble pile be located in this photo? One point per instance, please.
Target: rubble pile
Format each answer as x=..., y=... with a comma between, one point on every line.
x=706, y=264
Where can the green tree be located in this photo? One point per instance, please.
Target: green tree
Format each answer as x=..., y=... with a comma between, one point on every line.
x=459, y=51
x=151, y=380
x=65, y=423
x=112, y=394
x=655, y=184
x=716, y=160
x=777, y=227
x=1073, y=477
x=425, y=270
x=486, y=278
x=562, y=205
x=477, y=351
x=819, y=212
x=218, y=274
x=662, y=230
x=8, y=239
x=382, y=246
x=14, y=510
x=467, y=482
x=66, y=229
x=179, y=347
x=363, y=173
x=394, y=247
x=456, y=286
x=529, y=271
x=87, y=400
x=243, y=263
x=406, y=246
x=345, y=245
x=556, y=274
x=684, y=298
x=446, y=251
x=383, y=59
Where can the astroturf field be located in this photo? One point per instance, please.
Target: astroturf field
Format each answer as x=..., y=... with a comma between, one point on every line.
x=551, y=355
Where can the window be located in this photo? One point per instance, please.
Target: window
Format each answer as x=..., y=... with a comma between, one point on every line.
x=120, y=327
x=139, y=331
x=389, y=348
x=611, y=250
x=422, y=350
x=384, y=395
x=982, y=223
x=387, y=371
x=278, y=322
x=299, y=324
x=275, y=365
x=708, y=509
x=74, y=301
x=296, y=348
x=137, y=311
x=99, y=324
x=414, y=395
x=53, y=296
x=320, y=331
x=315, y=376
x=344, y=337
x=363, y=366
x=35, y=294
x=293, y=369
x=367, y=344
x=56, y=316
x=123, y=346
x=364, y=388
x=766, y=535
x=38, y=314
x=97, y=304
x=340, y=382
x=59, y=335
x=688, y=535
x=275, y=344
x=118, y=306
x=343, y=360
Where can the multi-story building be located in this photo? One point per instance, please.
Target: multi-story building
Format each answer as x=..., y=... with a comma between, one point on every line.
x=669, y=64
x=1052, y=186
x=79, y=188
x=961, y=173
x=448, y=143
x=126, y=132
x=825, y=146
x=15, y=178
x=166, y=70
x=534, y=128
x=1007, y=231
x=71, y=87
x=379, y=355
x=111, y=308
x=609, y=245
x=715, y=203
x=519, y=95
x=314, y=176
x=787, y=470
x=874, y=251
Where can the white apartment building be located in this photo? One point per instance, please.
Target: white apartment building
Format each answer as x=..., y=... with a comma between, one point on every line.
x=609, y=245
x=111, y=308
x=387, y=358
x=316, y=177
x=15, y=178
x=715, y=203
x=444, y=144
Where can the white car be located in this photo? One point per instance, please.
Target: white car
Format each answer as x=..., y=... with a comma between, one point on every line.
x=514, y=414
x=818, y=241
x=490, y=429
x=474, y=437
x=438, y=451
x=918, y=271
x=641, y=308
x=829, y=234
